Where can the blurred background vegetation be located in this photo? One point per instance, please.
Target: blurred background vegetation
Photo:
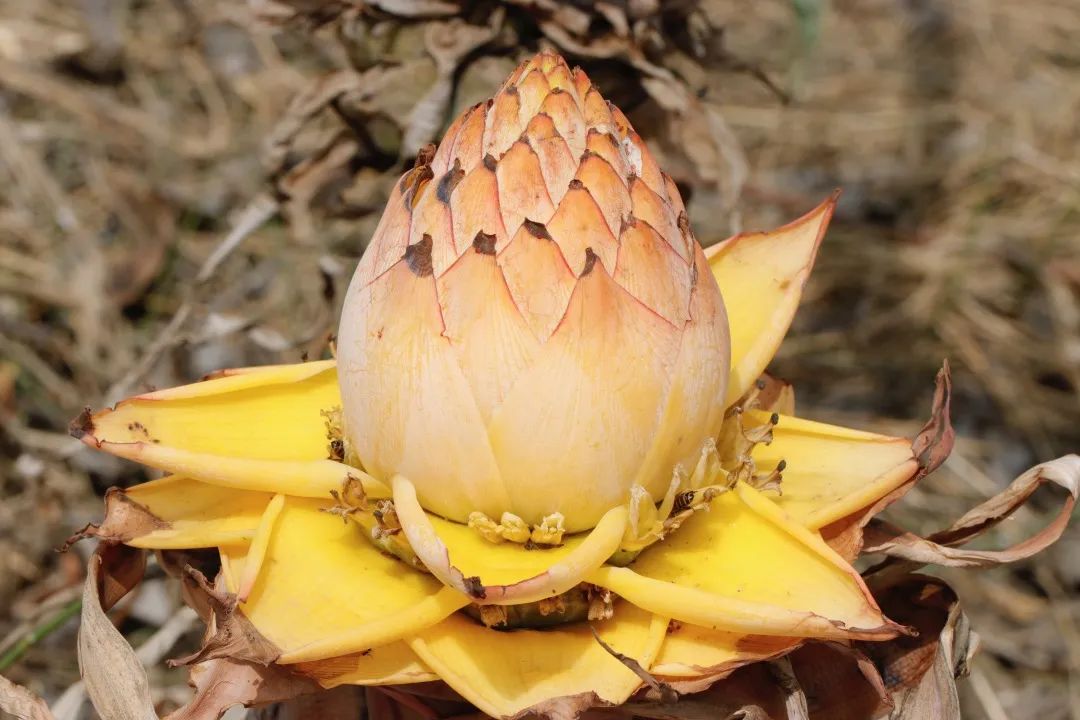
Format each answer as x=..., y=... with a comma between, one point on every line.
x=186, y=185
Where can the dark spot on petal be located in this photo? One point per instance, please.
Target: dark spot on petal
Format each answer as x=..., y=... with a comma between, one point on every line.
x=590, y=261
x=511, y=90
x=484, y=243
x=489, y=162
x=418, y=257
x=425, y=156
x=449, y=181
x=420, y=177
x=475, y=587
x=537, y=230
x=576, y=184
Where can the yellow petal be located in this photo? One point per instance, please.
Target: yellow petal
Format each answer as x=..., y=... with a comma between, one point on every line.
x=258, y=429
x=180, y=513
x=393, y=664
x=505, y=673
x=324, y=590
x=507, y=573
x=761, y=276
x=831, y=471
x=696, y=652
x=744, y=566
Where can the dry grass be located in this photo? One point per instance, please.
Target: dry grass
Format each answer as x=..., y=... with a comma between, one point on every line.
x=134, y=137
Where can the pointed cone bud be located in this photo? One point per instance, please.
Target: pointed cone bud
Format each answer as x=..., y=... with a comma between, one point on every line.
x=549, y=334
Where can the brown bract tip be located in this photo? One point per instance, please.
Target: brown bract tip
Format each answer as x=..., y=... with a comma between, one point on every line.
x=82, y=425
x=684, y=223
x=484, y=243
x=590, y=261
x=418, y=257
x=489, y=162
x=576, y=184
x=537, y=230
x=449, y=181
x=475, y=587
x=425, y=155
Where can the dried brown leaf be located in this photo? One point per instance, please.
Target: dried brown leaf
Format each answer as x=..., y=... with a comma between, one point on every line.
x=942, y=548
x=931, y=447
x=115, y=679
x=20, y=703
x=222, y=683
x=920, y=672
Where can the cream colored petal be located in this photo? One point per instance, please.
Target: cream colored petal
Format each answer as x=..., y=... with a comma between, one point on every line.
x=503, y=124
x=578, y=224
x=431, y=218
x=492, y=342
x=469, y=145
x=532, y=89
x=596, y=112
x=830, y=471
x=745, y=567
x=424, y=422
x=538, y=278
x=506, y=673
x=607, y=146
x=654, y=210
x=606, y=188
x=562, y=108
x=522, y=192
x=474, y=208
x=507, y=573
x=584, y=413
x=652, y=272
x=694, y=409
x=324, y=590
x=762, y=276
x=556, y=160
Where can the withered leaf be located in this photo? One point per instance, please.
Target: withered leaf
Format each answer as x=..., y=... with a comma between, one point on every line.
x=942, y=548
x=115, y=679
x=931, y=447
x=17, y=701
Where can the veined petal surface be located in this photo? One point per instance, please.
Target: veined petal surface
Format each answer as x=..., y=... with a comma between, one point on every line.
x=177, y=512
x=255, y=429
x=393, y=664
x=692, y=652
x=831, y=471
x=324, y=590
x=761, y=276
x=507, y=673
x=744, y=566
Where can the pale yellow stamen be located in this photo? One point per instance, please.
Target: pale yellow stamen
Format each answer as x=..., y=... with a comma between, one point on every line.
x=259, y=543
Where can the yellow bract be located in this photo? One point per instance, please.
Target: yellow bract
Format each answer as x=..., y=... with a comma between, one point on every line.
x=321, y=575
x=178, y=512
x=761, y=276
x=831, y=471
x=504, y=673
x=256, y=429
x=743, y=566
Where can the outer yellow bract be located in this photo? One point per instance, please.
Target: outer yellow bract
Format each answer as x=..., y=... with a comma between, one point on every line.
x=343, y=595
